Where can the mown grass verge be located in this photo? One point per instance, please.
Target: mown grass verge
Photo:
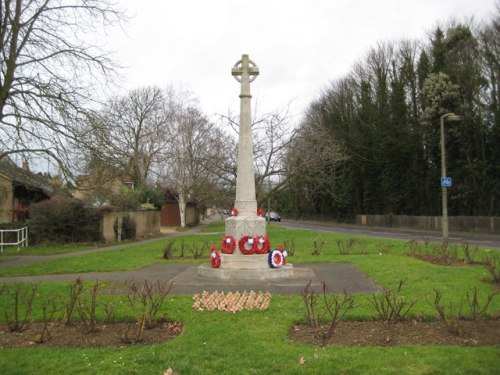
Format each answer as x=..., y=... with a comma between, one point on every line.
x=256, y=342
x=243, y=343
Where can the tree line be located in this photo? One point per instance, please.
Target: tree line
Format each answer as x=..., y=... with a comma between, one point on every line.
x=371, y=143
x=51, y=72
x=156, y=138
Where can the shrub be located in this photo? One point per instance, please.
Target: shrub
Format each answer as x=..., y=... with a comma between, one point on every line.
x=450, y=316
x=168, y=250
x=49, y=309
x=12, y=225
x=289, y=246
x=152, y=195
x=198, y=249
x=127, y=228
x=63, y=220
x=87, y=307
x=391, y=306
x=146, y=301
x=318, y=244
x=476, y=309
x=446, y=253
x=125, y=199
x=454, y=317
x=18, y=311
x=71, y=304
x=469, y=252
x=332, y=310
x=492, y=263
x=148, y=206
x=182, y=248
x=346, y=246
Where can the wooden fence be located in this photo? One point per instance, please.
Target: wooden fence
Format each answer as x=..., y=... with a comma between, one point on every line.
x=481, y=224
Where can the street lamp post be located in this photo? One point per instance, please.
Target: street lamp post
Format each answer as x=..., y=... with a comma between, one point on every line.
x=444, y=191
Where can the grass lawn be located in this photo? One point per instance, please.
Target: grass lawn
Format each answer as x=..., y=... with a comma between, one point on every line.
x=46, y=249
x=256, y=342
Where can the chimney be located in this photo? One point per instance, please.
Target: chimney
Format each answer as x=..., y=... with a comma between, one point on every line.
x=26, y=165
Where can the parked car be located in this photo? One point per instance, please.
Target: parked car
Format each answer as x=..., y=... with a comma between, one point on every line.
x=273, y=216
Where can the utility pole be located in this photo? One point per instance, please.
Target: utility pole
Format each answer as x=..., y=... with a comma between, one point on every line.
x=445, y=181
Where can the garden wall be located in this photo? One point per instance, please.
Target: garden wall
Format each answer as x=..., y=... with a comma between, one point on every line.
x=481, y=224
x=147, y=223
x=6, y=199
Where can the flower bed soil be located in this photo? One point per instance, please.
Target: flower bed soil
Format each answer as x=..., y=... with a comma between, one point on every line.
x=376, y=333
x=78, y=335
x=431, y=258
x=371, y=333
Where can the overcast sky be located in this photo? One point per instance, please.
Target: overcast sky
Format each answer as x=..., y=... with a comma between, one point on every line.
x=298, y=45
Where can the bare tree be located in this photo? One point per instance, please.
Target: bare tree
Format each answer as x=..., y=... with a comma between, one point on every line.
x=130, y=133
x=272, y=133
x=49, y=70
x=194, y=165
x=161, y=136
x=312, y=156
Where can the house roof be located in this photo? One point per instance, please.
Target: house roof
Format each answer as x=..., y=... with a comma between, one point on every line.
x=108, y=178
x=24, y=177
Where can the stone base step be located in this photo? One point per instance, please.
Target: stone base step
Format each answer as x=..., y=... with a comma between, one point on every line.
x=244, y=262
x=233, y=273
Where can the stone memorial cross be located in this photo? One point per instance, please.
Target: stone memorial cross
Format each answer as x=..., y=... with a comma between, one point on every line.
x=245, y=71
x=245, y=225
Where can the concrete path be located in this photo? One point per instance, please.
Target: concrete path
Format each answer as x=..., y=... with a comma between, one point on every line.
x=21, y=260
x=185, y=280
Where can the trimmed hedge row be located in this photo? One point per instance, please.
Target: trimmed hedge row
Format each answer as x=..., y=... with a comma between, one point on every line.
x=63, y=220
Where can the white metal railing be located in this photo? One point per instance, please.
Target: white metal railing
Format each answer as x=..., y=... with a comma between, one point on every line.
x=21, y=235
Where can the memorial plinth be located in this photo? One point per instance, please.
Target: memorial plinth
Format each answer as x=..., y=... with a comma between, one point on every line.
x=245, y=267
x=245, y=223
x=239, y=226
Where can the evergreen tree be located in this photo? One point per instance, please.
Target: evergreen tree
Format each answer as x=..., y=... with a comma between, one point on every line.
x=438, y=51
x=386, y=115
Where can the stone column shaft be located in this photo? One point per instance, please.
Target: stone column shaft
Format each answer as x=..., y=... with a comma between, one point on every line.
x=246, y=202
x=246, y=223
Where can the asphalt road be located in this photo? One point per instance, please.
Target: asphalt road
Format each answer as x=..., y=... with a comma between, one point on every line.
x=490, y=241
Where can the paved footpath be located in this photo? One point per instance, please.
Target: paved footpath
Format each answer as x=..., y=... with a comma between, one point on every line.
x=21, y=260
x=185, y=279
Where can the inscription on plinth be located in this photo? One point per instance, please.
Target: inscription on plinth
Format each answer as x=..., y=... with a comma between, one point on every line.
x=239, y=226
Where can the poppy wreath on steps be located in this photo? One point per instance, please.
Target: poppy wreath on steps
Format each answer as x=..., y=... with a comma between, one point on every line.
x=215, y=259
x=261, y=244
x=276, y=259
x=243, y=245
x=283, y=252
x=234, y=212
x=228, y=244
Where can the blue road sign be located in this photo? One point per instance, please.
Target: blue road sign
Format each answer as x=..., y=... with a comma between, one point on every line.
x=446, y=181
